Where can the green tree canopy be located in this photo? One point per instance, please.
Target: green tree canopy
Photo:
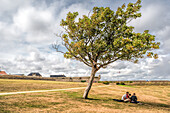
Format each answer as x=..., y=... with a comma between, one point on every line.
x=105, y=37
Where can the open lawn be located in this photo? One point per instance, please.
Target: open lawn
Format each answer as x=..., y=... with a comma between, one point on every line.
x=155, y=99
x=12, y=85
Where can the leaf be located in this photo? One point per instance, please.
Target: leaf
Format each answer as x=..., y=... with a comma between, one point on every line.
x=105, y=36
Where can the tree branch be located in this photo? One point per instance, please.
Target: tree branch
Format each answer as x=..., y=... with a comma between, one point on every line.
x=78, y=58
x=111, y=61
x=56, y=47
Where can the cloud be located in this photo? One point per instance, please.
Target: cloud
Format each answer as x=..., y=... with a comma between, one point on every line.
x=37, y=24
x=154, y=16
x=9, y=7
x=162, y=70
x=165, y=39
x=12, y=5
x=30, y=19
x=28, y=28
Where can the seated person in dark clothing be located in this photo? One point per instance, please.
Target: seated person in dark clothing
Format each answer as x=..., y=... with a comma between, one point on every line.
x=129, y=95
x=133, y=98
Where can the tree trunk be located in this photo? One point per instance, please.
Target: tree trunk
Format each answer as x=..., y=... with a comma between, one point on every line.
x=86, y=92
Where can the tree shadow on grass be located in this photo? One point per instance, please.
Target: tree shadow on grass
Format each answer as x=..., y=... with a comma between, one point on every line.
x=99, y=99
x=93, y=99
x=156, y=105
x=144, y=104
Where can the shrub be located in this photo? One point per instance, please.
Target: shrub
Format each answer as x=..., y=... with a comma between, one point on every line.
x=122, y=83
x=100, y=82
x=131, y=81
x=106, y=82
x=83, y=80
x=117, y=83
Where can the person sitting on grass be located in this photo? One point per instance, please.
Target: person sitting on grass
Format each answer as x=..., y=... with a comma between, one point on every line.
x=133, y=98
x=125, y=97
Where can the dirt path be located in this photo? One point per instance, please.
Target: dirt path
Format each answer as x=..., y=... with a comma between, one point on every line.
x=38, y=91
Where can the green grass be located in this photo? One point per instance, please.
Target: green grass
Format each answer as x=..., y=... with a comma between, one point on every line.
x=168, y=94
x=36, y=95
x=127, y=86
x=5, y=111
x=75, y=95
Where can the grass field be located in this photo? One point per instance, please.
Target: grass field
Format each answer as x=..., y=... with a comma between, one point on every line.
x=9, y=85
x=155, y=99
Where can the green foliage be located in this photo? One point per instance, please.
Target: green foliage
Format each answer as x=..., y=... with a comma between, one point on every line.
x=83, y=80
x=130, y=81
x=120, y=83
x=105, y=36
x=117, y=83
x=106, y=82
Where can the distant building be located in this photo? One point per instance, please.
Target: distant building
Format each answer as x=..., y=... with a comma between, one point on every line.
x=18, y=74
x=57, y=76
x=3, y=73
x=74, y=79
x=35, y=75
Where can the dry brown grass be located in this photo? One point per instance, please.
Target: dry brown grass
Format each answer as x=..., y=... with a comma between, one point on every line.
x=155, y=99
x=8, y=85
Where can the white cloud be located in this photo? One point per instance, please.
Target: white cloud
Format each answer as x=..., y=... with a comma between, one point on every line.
x=27, y=31
x=153, y=18
x=80, y=8
x=165, y=38
x=30, y=19
x=38, y=25
x=8, y=32
x=9, y=5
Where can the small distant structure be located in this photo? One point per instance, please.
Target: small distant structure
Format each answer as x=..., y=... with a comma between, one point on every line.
x=57, y=76
x=35, y=74
x=74, y=79
x=18, y=74
x=3, y=73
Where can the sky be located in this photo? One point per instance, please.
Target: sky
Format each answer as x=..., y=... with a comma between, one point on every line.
x=28, y=29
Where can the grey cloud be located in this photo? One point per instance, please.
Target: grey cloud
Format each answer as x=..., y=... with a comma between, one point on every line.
x=26, y=35
x=10, y=7
x=106, y=72
x=120, y=65
x=162, y=70
x=154, y=16
x=144, y=70
x=165, y=39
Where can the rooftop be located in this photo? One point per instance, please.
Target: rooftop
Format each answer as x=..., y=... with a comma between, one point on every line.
x=3, y=73
x=34, y=74
x=57, y=76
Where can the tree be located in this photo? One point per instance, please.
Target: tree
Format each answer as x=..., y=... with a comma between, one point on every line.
x=105, y=37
